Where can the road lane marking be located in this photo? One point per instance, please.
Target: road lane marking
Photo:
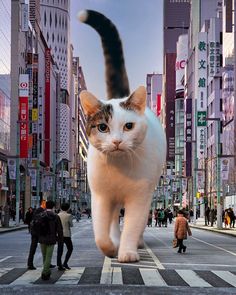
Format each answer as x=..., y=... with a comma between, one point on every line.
x=217, y=247
x=111, y=275
x=198, y=264
x=226, y=276
x=192, y=279
x=156, y=260
x=3, y=271
x=28, y=277
x=71, y=277
x=5, y=258
x=152, y=277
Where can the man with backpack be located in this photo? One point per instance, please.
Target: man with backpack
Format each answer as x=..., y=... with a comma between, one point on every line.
x=50, y=231
x=34, y=235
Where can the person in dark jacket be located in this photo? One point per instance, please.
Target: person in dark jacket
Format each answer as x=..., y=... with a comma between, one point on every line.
x=34, y=238
x=29, y=217
x=48, y=237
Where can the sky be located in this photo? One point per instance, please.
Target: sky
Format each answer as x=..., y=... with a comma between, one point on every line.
x=140, y=25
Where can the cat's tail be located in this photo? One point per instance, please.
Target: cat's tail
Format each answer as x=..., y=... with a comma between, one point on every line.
x=116, y=76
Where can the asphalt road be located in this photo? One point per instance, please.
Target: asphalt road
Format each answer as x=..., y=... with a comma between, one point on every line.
x=207, y=267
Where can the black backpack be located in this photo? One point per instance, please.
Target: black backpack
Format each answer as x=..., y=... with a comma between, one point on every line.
x=40, y=224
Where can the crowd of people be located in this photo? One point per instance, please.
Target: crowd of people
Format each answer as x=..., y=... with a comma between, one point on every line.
x=48, y=228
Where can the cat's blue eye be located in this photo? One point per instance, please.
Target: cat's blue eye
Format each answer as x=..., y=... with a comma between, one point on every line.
x=128, y=126
x=103, y=128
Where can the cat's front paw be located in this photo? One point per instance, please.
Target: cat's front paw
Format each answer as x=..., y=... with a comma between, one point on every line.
x=107, y=247
x=128, y=256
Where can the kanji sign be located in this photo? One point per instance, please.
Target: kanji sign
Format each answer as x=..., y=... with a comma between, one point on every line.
x=201, y=118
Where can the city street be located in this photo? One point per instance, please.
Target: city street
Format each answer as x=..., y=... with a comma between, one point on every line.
x=208, y=265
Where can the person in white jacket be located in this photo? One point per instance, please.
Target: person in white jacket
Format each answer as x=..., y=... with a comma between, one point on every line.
x=66, y=220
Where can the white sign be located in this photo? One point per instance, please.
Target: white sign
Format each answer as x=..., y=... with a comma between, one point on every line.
x=224, y=169
x=12, y=168
x=201, y=89
x=24, y=85
x=33, y=176
x=24, y=17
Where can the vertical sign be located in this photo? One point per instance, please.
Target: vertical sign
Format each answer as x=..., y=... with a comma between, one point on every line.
x=158, y=104
x=23, y=114
x=201, y=90
x=47, y=107
x=24, y=17
x=214, y=58
x=188, y=137
x=34, y=111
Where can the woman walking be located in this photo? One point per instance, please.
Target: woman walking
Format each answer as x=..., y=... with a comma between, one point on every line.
x=181, y=230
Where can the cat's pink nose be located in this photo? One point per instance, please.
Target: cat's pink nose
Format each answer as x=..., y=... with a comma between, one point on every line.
x=116, y=142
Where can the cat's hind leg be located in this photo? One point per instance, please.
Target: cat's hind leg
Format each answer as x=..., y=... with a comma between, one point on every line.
x=102, y=218
x=136, y=212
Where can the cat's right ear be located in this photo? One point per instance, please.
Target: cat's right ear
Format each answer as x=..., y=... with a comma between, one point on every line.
x=89, y=102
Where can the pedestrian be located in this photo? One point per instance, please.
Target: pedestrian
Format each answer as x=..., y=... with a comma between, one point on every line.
x=34, y=236
x=212, y=216
x=156, y=216
x=67, y=223
x=191, y=214
x=50, y=232
x=207, y=215
x=181, y=230
x=160, y=217
x=29, y=217
x=170, y=216
x=232, y=217
x=149, y=218
x=227, y=219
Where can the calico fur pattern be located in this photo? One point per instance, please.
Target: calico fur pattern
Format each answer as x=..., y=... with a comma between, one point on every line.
x=125, y=158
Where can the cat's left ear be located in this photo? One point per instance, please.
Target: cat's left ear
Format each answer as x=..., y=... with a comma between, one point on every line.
x=137, y=100
x=89, y=102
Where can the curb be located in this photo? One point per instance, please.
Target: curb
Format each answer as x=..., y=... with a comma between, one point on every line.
x=214, y=230
x=7, y=230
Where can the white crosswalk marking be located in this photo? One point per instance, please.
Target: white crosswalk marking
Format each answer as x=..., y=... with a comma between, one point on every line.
x=152, y=277
x=28, y=277
x=111, y=275
x=226, y=276
x=71, y=277
x=192, y=279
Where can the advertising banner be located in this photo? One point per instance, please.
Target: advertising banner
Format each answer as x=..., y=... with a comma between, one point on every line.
x=224, y=169
x=47, y=106
x=23, y=116
x=24, y=17
x=201, y=91
x=12, y=168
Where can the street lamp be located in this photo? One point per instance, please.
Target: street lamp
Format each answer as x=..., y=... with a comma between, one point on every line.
x=219, y=206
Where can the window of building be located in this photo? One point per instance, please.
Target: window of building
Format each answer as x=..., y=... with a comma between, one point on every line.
x=221, y=104
x=220, y=82
x=45, y=18
x=52, y=37
x=47, y=36
x=60, y=21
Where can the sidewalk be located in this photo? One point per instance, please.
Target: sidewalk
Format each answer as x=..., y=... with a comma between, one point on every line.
x=12, y=227
x=200, y=224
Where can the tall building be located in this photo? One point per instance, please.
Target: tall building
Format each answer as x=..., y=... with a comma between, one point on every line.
x=176, y=17
x=55, y=25
x=5, y=94
x=154, y=90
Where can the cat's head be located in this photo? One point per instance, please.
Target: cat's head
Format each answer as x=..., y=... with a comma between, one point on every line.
x=118, y=125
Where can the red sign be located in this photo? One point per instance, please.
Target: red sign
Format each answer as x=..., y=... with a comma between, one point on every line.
x=179, y=65
x=47, y=107
x=158, y=104
x=23, y=118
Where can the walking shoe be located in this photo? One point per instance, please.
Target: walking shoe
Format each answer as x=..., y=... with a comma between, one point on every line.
x=66, y=266
x=179, y=251
x=52, y=266
x=31, y=267
x=45, y=277
x=184, y=249
x=61, y=268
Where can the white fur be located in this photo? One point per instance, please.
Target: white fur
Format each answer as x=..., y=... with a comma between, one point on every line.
x=124, y=179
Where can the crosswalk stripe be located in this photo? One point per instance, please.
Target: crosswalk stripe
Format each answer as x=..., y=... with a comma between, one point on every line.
x=156, y=260
x=28, y=277
x=71, y=277
x=192, y=279
x=111, y=275
x=226, y=276
x=152, y=277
